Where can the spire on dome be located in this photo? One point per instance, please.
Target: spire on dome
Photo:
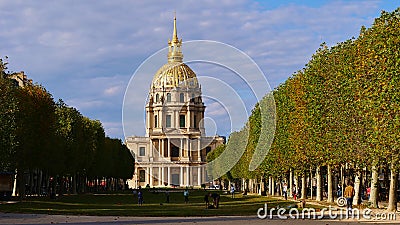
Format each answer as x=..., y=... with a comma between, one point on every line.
x=174, y=46
x=175, y=33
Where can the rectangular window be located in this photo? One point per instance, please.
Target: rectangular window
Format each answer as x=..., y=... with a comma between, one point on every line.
x=181, y=97
x=142, y=151
x=194, y=121
x=155, y=121
x=182, y=121
x=168, y=121
x=168, y=97
x=142, y=176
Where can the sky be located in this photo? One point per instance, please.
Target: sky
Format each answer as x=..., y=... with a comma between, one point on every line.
x=86, y=51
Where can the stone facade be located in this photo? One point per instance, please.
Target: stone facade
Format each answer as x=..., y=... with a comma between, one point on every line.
x=173, y=152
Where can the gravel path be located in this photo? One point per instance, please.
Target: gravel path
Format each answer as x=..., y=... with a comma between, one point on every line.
x=32, y=219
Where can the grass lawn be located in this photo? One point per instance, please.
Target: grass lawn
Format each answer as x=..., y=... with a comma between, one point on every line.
x=125, y=204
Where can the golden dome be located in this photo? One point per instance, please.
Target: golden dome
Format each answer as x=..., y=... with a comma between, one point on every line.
x=175, y=74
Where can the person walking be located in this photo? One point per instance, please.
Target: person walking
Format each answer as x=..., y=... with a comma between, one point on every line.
x=206, y=200
x=233, y=191
x=285, y=189
x=186, y=195
x=167, y=196
x=294, y=193
x=339, y=191
x=215, y=197
x=140, y=197
x=349, y=194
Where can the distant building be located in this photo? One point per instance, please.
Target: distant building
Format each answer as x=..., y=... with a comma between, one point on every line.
x=175, y=146
x=20, y=79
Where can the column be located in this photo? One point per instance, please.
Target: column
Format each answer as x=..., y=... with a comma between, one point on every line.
x=181, y=177
x=199, y=149
x=162, y=176
x=151, y=176
x=199, y=175
x=162, y=147
x=187, y=176
x=151, y=150
x=188, y=148
x=147, y=175
x=189, y=124
x=169, y=148
x=181, y=148
x=204, y=173
x=159, y=176
x=169, y=176
x=177, y=120
x=159, y=147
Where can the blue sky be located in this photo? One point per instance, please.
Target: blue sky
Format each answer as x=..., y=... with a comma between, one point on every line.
x=85, y=52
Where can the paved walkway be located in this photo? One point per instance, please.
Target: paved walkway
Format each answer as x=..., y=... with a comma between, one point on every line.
x=376, y=216
x=33, y=219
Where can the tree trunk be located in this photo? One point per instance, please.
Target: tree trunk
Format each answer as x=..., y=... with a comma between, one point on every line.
x=330, y=185
x=357, y=185
x=386, y=182
x=342, y=180
x=73, y=186
x=319, y=183
x=303, y=187
x=394, y=174
x=270, y=185
x=290, y=188
x=311, y=184
x=296, y=184
x=273, y=186
x=263, y=187
x=21, y=183
x=373, y=199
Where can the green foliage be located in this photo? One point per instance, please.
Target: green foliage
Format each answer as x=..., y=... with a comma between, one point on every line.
x=343, y=107
x=38, y=134
x=8, y=126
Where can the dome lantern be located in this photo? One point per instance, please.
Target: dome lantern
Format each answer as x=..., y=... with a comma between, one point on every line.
x=175, y=73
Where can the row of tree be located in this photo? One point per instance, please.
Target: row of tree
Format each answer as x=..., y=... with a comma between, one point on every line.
x=44, y=141
x=341, y=111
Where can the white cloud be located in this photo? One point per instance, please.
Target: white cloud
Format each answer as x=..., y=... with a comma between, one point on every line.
x=76, y=48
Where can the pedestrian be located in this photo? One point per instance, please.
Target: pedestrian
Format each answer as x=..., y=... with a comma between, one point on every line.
x=339, y=191
x=233, y=191
x=285, y=189
x=349, y=194
x=167, y=196
x=206, y=201
x=215, y=197
x=368, y=192
x=294, y=192
x=186, y=195
x=140, y=197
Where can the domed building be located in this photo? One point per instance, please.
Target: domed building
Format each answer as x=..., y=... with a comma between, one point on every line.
x=174, y=149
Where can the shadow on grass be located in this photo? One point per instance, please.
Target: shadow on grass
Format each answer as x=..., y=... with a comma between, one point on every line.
x=125, y=204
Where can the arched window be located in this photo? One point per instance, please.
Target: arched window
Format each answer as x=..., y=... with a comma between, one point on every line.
x=169, y=97
x=182, y=97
